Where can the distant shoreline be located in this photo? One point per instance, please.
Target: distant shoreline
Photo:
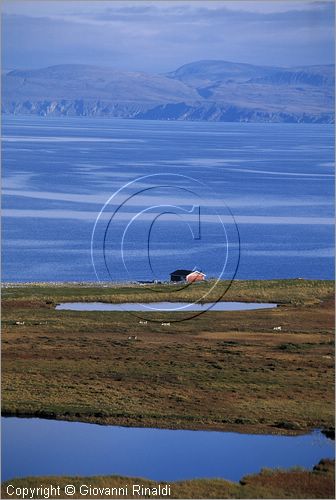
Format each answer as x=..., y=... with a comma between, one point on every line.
x=200, y=91
x=120, y=284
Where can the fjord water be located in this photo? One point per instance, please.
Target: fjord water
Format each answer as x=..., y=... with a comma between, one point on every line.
x=34, y=447
x=276, y=179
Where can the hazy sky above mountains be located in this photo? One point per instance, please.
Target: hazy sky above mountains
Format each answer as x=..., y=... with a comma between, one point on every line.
x=160, y=36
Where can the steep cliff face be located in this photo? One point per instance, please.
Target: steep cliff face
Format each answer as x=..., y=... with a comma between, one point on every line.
x=74, y=107
x=216, y=113
x=204, y=90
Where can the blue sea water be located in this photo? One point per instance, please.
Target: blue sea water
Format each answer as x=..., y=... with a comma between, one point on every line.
x=250, y=201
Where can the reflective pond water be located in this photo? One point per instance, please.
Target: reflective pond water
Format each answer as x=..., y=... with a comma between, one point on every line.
x=32, y=447
x=162, y=306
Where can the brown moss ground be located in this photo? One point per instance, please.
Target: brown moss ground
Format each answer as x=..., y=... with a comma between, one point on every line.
x=318, y=483
x=221, y=370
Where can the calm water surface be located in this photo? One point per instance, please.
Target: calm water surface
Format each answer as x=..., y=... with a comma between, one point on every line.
x=32, y=447
x=277, y=180
x=162, y=306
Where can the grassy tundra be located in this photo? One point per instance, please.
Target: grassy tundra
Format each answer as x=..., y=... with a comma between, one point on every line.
x=295, y=483
x=221, y=370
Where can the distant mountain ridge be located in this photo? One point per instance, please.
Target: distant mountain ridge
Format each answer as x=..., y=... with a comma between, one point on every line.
x=204, y=90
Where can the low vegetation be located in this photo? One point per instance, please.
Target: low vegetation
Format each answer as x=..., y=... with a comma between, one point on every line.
x=295, y=483
x=295, y=292
x=221, y=370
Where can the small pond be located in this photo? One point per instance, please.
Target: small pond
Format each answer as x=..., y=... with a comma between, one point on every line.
x=163, y=306
x=33, y=447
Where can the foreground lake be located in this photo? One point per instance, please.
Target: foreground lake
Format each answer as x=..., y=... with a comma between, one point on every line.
x=36, y=447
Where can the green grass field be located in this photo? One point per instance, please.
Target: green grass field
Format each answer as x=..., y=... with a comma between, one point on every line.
x=221, y=370
x=280, y=291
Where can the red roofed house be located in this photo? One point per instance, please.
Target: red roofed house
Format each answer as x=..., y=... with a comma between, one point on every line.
x=195, y=276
